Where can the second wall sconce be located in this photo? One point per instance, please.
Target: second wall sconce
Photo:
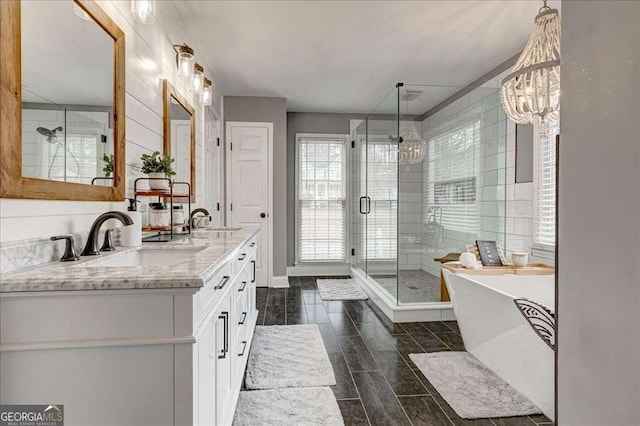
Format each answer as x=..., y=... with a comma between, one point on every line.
x=184, y=61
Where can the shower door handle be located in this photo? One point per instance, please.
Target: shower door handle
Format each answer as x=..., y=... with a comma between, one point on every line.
x=362, y=198
x=368, y=205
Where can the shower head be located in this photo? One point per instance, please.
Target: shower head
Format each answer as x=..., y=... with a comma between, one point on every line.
x=50, y=134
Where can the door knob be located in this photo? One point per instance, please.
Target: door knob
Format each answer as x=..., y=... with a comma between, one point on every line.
x=263, y=215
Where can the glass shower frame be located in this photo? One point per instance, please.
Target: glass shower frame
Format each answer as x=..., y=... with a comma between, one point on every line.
x=403, y=219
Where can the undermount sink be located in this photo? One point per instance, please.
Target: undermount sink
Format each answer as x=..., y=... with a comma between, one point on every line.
x=144, y=257
x=222, y=229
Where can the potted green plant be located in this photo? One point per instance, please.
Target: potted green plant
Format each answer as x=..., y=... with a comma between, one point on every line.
x=157, y=165
x=108, y=164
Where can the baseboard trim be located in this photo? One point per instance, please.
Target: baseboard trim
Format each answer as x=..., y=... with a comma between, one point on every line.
x=280, y=282
x=321, y=270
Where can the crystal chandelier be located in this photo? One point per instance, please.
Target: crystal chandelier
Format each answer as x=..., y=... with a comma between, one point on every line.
x=532, y=90
x=411, y=149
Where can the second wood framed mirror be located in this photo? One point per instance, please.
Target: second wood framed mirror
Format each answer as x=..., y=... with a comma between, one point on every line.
x=180, y=135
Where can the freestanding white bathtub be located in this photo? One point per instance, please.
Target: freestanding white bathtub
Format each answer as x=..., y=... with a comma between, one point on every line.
x=498, y=334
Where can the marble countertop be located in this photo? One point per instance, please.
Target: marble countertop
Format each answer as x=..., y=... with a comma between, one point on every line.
x=217, y=247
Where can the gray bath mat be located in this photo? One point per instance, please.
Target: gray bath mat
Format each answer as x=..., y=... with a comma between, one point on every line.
x=288, y=356
x=340, y=290
x=303, y=406
x=470, y=387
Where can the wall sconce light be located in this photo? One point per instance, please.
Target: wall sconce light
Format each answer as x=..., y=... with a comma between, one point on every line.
x=198, y=78
x=184, y=61
x=206, y=96
x=144, y=11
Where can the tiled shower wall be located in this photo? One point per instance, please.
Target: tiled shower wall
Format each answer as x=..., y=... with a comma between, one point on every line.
x=410, y=216
x=410, y=207
x=505, y=207
x=490, y=170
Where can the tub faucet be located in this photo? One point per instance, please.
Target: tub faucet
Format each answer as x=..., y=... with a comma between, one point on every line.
x=91, y=248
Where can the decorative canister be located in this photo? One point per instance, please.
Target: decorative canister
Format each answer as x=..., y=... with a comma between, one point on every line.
x=177, y=215
x=520, y=259
x=159, y=215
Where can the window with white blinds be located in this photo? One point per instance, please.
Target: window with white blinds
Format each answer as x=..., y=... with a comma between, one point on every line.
x=381, y=225
x=545, y=183
x=451, y=168
x=321, y=209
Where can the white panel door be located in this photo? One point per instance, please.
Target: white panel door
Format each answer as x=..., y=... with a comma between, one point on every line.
x=249, y=153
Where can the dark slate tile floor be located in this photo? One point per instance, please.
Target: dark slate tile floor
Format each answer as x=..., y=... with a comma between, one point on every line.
x=377, y=384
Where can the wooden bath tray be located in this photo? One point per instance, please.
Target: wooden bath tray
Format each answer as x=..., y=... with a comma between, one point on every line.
x=530, y=269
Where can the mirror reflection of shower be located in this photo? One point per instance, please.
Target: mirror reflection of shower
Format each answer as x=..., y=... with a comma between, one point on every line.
x=66, y=143
x=53, y=138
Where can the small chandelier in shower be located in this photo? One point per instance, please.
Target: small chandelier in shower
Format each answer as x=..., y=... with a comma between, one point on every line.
x=532, y=88
x=411, y=149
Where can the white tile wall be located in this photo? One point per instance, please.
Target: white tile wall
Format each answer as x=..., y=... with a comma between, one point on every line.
x=511, y=203
x=149, y=59
x=491, y=172
x=519, y=202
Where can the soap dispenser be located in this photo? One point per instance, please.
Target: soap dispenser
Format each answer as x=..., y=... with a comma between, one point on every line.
x=132, y=235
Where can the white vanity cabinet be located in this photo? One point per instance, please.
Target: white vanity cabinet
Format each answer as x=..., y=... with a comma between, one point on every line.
x=224, y=336
x=161, y=356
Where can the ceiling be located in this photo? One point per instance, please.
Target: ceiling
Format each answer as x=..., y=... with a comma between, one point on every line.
x=344, y=56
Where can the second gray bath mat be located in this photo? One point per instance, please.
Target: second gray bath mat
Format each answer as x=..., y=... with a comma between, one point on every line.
x=279, y=407
x=340, y=290
x=470, y=387
x=288, y=356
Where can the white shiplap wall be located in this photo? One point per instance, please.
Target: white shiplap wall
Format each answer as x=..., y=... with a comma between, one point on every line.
x=150, y=58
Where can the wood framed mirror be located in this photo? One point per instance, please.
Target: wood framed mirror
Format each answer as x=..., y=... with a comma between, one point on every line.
x=180, y=135
x=62, y=102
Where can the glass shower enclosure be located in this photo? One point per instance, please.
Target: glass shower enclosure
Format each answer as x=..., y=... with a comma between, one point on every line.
x=428, y=178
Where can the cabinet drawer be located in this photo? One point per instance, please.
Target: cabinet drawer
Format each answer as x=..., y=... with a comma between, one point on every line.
x=208, y=294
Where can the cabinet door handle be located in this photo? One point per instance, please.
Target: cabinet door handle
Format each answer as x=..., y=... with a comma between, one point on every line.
x=244, y=285
x=244, y=348
x=223, y=352
x=226, y=333
x=244, y=318
x=224, y=282
x=243, y=256
x=253, y=277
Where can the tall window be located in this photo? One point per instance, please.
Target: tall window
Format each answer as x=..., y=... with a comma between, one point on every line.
x=545, y=183
x=321, y=193
x=450, y=176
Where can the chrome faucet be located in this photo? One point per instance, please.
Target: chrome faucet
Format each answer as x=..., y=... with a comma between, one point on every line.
x=192, y=219
x=91, y=248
